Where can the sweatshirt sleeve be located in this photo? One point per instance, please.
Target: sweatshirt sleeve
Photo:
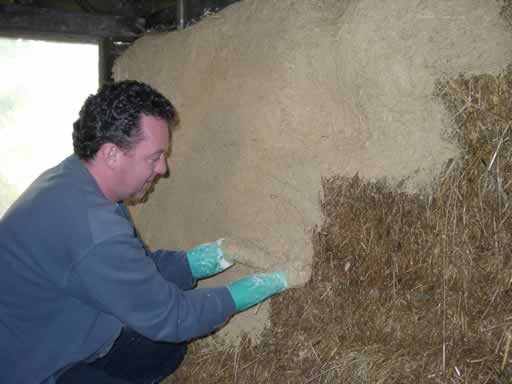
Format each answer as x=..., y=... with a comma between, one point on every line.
x=116, y=277
x=174, y=267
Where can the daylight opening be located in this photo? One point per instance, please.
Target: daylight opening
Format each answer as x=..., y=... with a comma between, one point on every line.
x=42, y=87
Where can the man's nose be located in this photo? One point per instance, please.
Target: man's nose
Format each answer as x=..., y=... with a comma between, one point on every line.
x=162, y=167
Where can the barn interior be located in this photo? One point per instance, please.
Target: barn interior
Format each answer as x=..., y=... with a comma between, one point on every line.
x=363, y=146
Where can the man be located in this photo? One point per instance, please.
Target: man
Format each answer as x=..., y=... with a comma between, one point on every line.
x=82, y=300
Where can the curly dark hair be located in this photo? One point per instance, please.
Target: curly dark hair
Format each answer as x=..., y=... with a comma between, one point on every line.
x=113, y=115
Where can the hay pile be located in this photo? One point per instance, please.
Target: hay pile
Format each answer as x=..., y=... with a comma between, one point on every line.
x=275, y=94
x=405, y=287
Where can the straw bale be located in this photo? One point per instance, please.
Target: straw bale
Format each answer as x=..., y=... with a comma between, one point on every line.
x=405, y=287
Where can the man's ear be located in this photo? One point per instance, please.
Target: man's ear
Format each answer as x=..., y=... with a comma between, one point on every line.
x=109, y=154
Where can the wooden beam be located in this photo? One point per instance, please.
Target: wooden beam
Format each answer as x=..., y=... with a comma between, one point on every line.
x=195, y=9
x=33, y=20
x=168, y=19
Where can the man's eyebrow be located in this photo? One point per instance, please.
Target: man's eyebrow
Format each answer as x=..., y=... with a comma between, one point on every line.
x=159, y=152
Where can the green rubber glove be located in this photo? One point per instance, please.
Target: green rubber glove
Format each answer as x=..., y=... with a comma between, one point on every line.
x=208, y=259
x=252, y=289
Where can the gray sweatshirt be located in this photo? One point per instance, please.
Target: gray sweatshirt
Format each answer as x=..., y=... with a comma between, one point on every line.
x=73, y=272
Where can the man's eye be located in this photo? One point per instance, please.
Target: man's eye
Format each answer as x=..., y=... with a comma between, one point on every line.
x=155, y=159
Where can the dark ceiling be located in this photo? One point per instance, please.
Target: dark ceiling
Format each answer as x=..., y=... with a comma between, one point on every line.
x=117, y=19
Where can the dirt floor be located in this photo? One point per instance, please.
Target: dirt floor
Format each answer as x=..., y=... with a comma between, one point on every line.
x=405, y=287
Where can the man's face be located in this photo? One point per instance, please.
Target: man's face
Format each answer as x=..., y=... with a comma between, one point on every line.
x=139, y=167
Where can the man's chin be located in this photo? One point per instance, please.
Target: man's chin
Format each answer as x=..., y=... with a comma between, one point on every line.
x=142, y=196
